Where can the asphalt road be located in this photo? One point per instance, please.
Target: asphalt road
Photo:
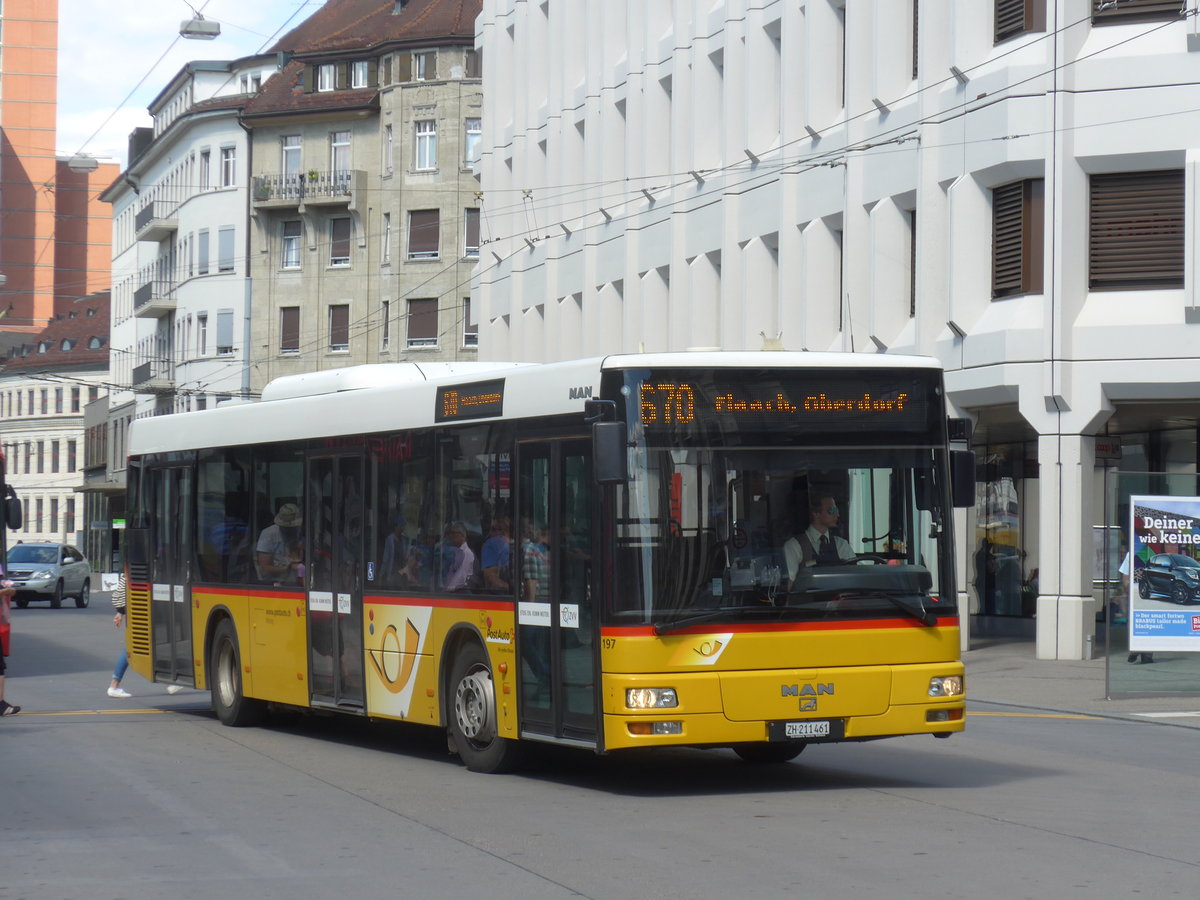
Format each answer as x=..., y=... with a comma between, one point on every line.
x=151, y=798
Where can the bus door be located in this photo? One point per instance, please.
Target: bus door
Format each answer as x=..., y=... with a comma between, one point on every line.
x=557, y=628
x=333, y=560
x=171, y=553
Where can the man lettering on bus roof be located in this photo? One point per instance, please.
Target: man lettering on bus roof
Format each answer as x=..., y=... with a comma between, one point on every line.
x=817, y=545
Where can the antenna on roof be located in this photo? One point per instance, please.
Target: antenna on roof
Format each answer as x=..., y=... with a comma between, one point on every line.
x=198, y=28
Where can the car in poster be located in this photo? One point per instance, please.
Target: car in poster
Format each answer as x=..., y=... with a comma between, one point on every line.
x=1171, y=574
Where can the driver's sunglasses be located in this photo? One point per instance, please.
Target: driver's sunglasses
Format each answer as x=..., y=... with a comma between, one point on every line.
x=832, y=511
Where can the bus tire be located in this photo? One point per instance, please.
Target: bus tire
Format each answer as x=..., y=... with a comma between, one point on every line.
x=225, y=671
x=472, y=714
x=768, y=754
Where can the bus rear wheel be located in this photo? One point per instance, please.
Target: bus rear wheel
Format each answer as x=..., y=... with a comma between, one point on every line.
x=473, y=724
x=225, y=673
x=768, y=754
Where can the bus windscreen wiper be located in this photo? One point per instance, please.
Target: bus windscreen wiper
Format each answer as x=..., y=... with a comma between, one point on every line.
x=902, y=602
x=701, y=618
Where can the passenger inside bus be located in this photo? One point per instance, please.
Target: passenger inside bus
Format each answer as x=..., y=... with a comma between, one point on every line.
x=279, y=556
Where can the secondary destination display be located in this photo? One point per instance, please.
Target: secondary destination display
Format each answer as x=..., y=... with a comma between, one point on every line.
x=682, y=402
x=478, y=400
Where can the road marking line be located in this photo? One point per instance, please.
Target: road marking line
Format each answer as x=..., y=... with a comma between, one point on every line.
x=1168, y=715
x=971, y=713
x=96, y=712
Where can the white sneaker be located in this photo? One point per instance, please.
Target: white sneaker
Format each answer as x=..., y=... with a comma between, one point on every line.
x=174, y=688
x=119, y=692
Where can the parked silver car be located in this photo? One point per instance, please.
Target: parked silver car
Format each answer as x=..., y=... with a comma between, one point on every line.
x=44, y=571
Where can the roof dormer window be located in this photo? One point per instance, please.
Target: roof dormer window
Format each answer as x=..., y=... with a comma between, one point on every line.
x=326, y=77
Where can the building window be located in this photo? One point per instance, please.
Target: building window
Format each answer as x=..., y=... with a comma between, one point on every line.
x=422, y=323
x=426, y=156
x=339, y=327
x=289, y=329
x=41, y=511
x=385, y=327
x=45, y=392
x=58, y=400
x=74, y=399
x=339, y=241
x=474, y=64
x=205, y=170
x=290, y=150
x=339, y=152
x=326, y=77
x=228, y=166
x=360, y=73
x=224, y=332
x=1126, y=12
x=388, y=149
x=385, y=252
x=225, y=238
x=54, y=515
x=54, y=462
x=424, y=66
x=202, y=334
x=1136, y=231
x=471, y=232
x=423, y=228
x=41, y=457
x=470, y=331
x=202, y=252
x=1018, y=237
x=290, y=251
x=70, y=522
x=1014, y=17
x=474, y=132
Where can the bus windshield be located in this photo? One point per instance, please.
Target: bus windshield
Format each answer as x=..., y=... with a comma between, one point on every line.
x=788, y=533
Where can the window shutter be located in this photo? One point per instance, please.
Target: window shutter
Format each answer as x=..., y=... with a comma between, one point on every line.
x=1018, y=235
x=387, y=70
x=422, y=321
x=472, y=229
x=339, y=243
x=1128, y=12
x=372, y=72
x=310, y=79
x=403, y=67
x=1137, y=232
x=474, y=64
x=339, y=326
x=342, y=76
x=225, y=331
x=289, y=328
x=423, y=226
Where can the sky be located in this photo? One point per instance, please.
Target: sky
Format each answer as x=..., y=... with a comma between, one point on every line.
x=105, y=50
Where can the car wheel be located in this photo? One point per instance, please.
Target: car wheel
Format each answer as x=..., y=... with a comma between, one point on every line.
x=84, y=596
x=473, y=715
x=56, y=598
x=1180, y=593
x=1144, y=589
x=225, y=672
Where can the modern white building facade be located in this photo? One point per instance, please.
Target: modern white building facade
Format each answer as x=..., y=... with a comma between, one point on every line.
x=1007, y=185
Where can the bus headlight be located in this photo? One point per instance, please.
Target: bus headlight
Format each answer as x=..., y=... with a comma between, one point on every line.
x=946, y=686
x=651, y=698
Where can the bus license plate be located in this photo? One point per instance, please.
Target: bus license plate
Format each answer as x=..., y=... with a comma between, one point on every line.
x=806, y=730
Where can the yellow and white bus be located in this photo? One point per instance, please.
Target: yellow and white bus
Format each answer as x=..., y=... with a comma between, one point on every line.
x=607, y=554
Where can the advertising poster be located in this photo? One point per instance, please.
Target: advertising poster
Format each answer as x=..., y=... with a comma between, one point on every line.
x=1164, y=582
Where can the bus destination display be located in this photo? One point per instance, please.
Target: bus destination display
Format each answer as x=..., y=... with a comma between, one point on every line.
x=683, y=402
x=459, y=402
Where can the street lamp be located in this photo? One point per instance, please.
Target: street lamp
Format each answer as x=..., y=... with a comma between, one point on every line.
x=199, y=28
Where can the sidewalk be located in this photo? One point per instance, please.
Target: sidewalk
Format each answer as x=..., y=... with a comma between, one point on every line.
x=1008, y=672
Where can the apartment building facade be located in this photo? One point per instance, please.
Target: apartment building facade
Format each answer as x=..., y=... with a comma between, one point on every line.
x=1005, y=185
x=365, y=220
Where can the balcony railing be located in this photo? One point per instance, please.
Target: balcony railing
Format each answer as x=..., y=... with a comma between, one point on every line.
x=156, y=220
x=154, y=377
x=154, y=299
x=308, y=187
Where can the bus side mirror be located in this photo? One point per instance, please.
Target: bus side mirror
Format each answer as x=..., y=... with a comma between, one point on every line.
x=610, y=453
x=962, y=478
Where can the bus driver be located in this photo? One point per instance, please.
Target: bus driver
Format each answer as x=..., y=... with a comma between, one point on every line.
x=817, y=545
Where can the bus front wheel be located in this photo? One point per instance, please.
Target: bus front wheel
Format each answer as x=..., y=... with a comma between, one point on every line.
x=225, y=673
x=769, y=753
x=473, y=725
